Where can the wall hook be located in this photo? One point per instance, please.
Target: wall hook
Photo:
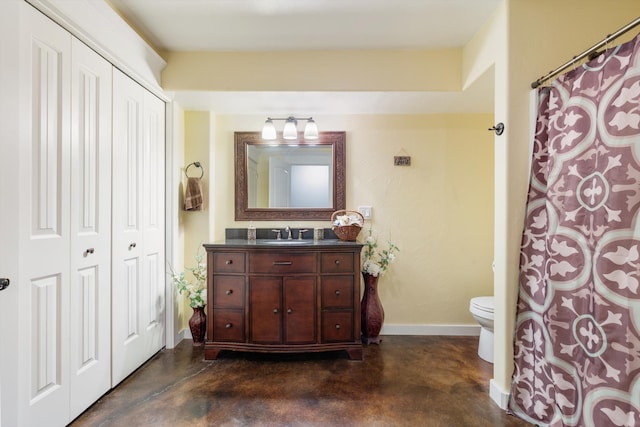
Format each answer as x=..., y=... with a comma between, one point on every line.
x=499, y=128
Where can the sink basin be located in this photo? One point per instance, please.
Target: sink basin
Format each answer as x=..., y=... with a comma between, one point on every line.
x=288, y=242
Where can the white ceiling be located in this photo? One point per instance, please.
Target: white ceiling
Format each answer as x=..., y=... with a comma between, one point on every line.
x=252, y=25
x=232, y=25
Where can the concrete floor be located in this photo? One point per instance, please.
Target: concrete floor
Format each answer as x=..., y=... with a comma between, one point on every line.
x=404, y=381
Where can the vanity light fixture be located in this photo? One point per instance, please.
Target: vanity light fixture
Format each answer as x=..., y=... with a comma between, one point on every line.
x=290, y=129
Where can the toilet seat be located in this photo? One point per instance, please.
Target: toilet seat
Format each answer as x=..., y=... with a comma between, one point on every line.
x=482, y=306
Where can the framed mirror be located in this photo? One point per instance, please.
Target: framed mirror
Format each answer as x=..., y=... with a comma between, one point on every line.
x=289, y=180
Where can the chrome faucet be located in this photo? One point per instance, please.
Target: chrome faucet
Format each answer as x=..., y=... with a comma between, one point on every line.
x=288, y=230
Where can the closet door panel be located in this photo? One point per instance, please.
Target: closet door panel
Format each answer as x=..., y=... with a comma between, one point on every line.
x=10, y=111
x=137, y=226
x=153, y=219
x=127, y=242
x=90, y=356
x=44, y=236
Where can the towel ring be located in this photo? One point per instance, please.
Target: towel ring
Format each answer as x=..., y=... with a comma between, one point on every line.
x=196, y=164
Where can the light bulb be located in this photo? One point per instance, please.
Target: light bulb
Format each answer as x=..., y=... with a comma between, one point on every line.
x=290, y=131
x=269, y=130
x=311, y=130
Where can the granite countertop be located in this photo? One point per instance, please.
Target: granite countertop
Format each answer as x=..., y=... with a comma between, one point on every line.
x=284, y=243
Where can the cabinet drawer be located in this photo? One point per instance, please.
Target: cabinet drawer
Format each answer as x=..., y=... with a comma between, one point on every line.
x=337, y=326
x=336, y=262
x=228, y=262
x=337, y=292
x=228, y=325
x=228, y=291
x=282, y=263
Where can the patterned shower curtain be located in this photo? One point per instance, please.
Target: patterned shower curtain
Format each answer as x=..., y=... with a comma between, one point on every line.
x=577, y=337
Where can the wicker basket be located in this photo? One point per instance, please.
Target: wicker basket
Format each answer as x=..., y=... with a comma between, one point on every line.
x=348, y=233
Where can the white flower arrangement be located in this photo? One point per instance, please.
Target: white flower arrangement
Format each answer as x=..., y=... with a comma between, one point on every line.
x=196, y=291
x=374, y=261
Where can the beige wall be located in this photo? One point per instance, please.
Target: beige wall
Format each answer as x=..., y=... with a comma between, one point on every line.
x=439, y=211
x=194, y=224
x=348, y=70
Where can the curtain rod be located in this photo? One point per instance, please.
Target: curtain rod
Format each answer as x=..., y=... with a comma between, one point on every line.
x=587, y=52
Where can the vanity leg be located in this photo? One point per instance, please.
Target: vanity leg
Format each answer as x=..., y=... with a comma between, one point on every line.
x=211, y=353
x=355, y=353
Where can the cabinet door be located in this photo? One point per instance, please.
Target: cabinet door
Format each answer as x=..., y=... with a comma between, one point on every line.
x=299, y=310
x=265, y=310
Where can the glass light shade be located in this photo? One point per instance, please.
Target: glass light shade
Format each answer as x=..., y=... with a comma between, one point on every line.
x=311, y=130
x=269, y=131
x=290, y=131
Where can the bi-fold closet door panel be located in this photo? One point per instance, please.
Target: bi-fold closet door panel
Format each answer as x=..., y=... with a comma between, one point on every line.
x=90, y=349
x=44, y=237
x=64, y=186
x=138, y=272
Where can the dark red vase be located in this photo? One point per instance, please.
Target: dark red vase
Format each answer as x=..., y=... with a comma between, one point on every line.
x=198, y=325
x=372, y=313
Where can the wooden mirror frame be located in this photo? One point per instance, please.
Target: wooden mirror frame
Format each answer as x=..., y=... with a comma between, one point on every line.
x=242, y=211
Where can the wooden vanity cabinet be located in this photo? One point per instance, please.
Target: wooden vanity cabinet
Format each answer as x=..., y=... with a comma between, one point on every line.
x=283, y=299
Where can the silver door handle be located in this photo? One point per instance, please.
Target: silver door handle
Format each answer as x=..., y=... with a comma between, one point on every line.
x=4, y=283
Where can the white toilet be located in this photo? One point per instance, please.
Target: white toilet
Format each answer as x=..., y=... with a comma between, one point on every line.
x=482, y=310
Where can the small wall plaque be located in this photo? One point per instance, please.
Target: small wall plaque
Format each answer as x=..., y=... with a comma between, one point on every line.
x=402, y=160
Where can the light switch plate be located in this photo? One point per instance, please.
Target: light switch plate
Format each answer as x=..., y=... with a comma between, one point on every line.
x=365, y=211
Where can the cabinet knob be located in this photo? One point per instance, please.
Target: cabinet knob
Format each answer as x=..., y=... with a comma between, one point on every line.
x=229, y=262
x=228, y=326
x=89, y=251
x=337, y=326
x=229, y=291
x=289, y=311
x=337, y=262
x=132, y=245
x=4, y=283
x=337, y=292
x=275, y=310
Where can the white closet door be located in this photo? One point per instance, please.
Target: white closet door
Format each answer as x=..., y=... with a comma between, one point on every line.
x=90, y=346
x=153, y=222
x=10, y=111
x=44, y=235
x=137, y=227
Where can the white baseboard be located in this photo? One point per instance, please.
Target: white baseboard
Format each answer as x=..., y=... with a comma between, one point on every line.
x=498, y=395
x=184, y=334
x=452, y=330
